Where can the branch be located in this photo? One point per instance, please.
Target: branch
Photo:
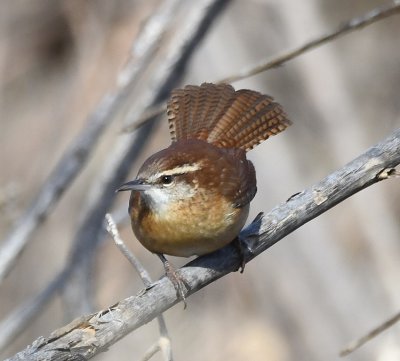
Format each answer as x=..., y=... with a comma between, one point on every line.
x=370, y=335
x=87, y=336
x=9, y=195
x=164, y=343
x=78, y=153
x=125, y=151
x=119, y=163
x=113, y=231
x=348, y=27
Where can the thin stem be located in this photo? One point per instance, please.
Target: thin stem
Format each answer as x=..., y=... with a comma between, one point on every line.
x=370, y=335
x=80, y=150
x=264, y=232
x=113, y=231
x=351, y=25
x=164, y=342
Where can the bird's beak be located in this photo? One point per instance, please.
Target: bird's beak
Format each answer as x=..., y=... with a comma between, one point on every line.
x=135, y=185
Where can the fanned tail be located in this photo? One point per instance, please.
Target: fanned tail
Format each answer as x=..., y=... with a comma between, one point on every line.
x=224, y=117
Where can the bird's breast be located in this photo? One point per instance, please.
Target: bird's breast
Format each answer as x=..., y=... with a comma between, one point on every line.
x=194, y=226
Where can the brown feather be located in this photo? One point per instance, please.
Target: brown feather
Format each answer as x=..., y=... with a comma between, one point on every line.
x=195, y=109
x=224, y=117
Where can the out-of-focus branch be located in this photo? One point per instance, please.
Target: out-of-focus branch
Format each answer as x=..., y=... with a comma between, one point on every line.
x=154, y=111
x=9, y=195
x=88, y=335
x=353, y=24
x=118, y=164
x=76, y=156
x=370, y=335
x=125, y=151
x=164, y=343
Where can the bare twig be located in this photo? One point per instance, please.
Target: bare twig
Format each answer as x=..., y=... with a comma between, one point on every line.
x=370, y=335
x=154, y=111
x=153, y=349
x=53, y=188
x=76, y=156
x=147, y=43
x=90, y=334
x=9, y=195
x=164, y=343
x=353, y=24
x=12, y=325
x=170, y=72
x=126, y=150
x=113, y=231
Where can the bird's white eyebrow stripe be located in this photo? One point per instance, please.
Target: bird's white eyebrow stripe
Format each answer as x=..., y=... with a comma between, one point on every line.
x=182, y=169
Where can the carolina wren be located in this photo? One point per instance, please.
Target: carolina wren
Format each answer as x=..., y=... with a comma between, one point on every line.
x=193, y=197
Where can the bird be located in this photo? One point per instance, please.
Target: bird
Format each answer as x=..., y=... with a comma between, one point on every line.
x=193, y=197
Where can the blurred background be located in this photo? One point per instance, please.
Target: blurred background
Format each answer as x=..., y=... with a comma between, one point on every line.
x=305, y=298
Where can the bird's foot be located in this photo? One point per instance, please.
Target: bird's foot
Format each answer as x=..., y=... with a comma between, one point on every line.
x=239, y=246
x=175, y=278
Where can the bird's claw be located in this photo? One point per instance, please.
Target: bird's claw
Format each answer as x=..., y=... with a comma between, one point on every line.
x=176, y=280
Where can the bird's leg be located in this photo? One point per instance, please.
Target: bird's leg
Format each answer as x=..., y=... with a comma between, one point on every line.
x=237, y=242
x=239, y=246
x=176, y=280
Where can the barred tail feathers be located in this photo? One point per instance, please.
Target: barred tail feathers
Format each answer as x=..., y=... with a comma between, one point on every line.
x=224, y=117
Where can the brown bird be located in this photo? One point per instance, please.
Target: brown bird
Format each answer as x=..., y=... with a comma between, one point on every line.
x=193, y=197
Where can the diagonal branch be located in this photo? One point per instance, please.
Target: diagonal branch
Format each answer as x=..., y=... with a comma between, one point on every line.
x=169, y=73
x=78, y=153
x=88, y=335
x=370, y=335
x=124, y=153
x=349, y=26
x=164, y=343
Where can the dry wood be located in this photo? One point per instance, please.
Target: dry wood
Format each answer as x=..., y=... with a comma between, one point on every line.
x=78, y=153
x=88, y=335
x=164, y=342
x=169, y=73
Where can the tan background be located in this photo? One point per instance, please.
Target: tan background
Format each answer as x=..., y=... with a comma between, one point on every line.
x=305, y=298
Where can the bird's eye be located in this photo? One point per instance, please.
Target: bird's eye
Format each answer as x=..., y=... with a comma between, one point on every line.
x=167, y=180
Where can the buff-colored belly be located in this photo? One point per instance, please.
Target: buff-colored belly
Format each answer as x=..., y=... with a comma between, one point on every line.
x=186, y=232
